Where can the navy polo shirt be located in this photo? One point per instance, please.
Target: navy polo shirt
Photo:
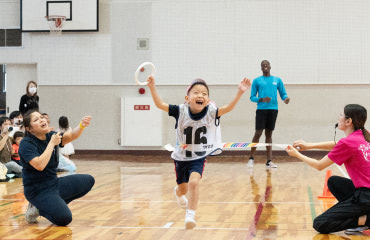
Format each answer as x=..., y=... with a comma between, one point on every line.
x=31, y=147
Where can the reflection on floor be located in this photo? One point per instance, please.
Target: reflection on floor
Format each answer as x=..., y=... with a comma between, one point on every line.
x=133, y=199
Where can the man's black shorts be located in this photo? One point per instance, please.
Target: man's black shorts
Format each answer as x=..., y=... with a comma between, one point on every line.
x=266, y=119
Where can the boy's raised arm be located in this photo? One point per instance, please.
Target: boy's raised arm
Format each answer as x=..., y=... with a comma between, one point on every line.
x=156, y=99
x=243, y=86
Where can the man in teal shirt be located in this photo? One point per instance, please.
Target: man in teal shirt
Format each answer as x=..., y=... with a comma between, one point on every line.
x=264, y=93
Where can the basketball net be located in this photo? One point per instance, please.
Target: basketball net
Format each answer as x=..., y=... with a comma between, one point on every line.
x=56, y=24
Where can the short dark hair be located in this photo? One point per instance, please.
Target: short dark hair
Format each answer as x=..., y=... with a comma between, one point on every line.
x=14, y=114
x=17, y=135
x=3, y=119
x=63, y=122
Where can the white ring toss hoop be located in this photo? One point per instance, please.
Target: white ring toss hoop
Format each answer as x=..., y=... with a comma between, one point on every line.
x=142, y=68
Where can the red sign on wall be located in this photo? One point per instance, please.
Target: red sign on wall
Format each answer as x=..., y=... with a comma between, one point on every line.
x=141, y=107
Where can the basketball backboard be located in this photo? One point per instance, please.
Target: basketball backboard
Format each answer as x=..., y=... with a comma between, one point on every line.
x=81, y=15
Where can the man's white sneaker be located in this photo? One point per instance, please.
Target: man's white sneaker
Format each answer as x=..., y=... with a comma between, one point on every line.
x=250, y=163
x=182, y=201
x=32, y=214
x=270, y=164
x=190, y=223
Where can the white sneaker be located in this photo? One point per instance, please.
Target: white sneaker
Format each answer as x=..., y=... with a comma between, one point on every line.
x=271, y=165
x=31, y=214
x=190, y=223
x=250, y=163
x=182, y=201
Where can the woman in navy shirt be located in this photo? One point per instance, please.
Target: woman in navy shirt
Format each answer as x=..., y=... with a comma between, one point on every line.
x=49, y=195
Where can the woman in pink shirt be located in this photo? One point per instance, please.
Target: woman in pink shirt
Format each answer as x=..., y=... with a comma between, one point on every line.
x=353, y=195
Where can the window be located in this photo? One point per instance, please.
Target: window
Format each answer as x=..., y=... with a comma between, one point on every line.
x=3, y=77
x=10, y=38
x=2, y=37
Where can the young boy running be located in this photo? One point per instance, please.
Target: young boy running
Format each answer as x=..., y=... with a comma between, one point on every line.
x=198, y=135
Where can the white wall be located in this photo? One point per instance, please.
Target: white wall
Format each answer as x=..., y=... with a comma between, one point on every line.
x=311, y=114
x=307, y=42
x=73, y=58
x=9, y=12
x=88, y=73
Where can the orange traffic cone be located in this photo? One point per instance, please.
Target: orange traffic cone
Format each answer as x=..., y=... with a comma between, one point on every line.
x=328, y=202
x=326, y=192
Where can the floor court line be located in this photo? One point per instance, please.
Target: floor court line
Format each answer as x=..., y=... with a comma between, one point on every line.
x=197, y=228
x=115, y=227
x=312, y=207
x=168, y=225
x=208, y=202
x=133, y=201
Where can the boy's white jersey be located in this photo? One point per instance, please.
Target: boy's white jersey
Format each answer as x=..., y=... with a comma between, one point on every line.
x=197, y=139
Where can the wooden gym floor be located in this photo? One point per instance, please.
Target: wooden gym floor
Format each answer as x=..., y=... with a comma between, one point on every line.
x=133, y=199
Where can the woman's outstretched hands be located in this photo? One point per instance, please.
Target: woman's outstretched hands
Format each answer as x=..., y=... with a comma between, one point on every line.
x=297, y=146
x=300, y=145
x=292, y=151
x=85, y=122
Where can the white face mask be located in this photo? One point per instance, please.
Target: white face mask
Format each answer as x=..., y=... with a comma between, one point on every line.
x=18, y=121
x=32, y=90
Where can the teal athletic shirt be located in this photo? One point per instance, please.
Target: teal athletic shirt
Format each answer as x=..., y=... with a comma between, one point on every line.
x=267, y=87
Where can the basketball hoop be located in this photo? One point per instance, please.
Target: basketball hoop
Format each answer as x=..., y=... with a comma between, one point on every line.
x=55, y=24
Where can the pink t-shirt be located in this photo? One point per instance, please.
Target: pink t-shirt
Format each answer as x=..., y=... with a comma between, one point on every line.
x=354, y=152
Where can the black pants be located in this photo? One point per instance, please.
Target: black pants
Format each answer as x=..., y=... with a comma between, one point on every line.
x=51, y=199
x=353, y=203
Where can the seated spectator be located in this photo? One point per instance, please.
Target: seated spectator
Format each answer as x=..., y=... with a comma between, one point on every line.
x=6, y=148
x=3, y=171
x=17, y=138
x=65, y=164
x=64, y=127
x=16, y=119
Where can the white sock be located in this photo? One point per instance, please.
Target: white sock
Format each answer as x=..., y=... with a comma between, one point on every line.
x=190, y=213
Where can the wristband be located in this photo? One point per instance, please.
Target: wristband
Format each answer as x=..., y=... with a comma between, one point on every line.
x=82, y=127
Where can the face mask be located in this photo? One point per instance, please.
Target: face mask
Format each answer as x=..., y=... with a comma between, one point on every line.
x=32, y=90
x=18, y=121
